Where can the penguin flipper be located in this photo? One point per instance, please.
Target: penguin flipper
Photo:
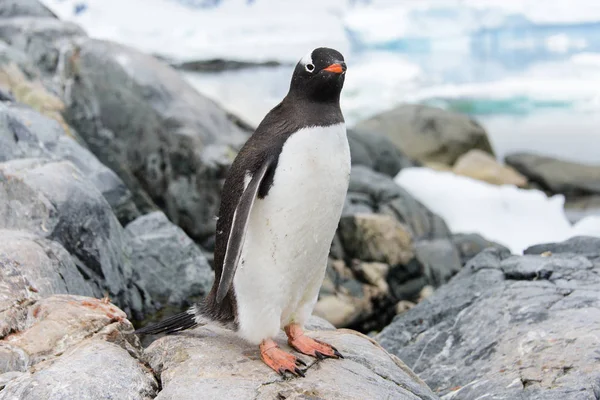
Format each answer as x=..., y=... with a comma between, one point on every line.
x=238, y=231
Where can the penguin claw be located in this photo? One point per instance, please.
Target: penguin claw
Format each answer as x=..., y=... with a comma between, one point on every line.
x=300, y=362
x=300, y=372
x=279, y=360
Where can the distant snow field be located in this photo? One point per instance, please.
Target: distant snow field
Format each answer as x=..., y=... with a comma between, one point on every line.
x=516, y=218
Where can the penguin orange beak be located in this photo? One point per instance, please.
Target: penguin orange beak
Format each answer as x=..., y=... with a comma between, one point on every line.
x=336, y=68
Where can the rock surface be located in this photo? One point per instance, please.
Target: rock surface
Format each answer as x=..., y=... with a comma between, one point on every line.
x=509, y=326
x=167, y=263
x=480, y=165
x=429, y=134
x=71, y=347
x=209, y=363
x=469, y=245
x=377, y=152
x=557, y=176
x=18, y=8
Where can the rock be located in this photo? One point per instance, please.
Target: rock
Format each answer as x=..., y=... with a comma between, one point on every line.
x=24, y=133
x=40, y=38
x=53, y=200
x=509, y=326
x=377, y=152
x=72, y=347
x=581, y=207
x=167, y=263
x=373, y=192
x=18, y=8
x=439, y=258
x=152, y=128
x=217, y=364
x=429, y=134
x=478, y=164
x=471, y=244
x=557, y=176
x=374, y=237
x=32, y=267
x=403, y=306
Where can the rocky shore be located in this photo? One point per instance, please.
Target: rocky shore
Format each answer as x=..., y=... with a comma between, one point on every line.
x=111, y=167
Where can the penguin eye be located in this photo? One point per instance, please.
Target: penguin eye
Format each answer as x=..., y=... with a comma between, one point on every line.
x=309, y=67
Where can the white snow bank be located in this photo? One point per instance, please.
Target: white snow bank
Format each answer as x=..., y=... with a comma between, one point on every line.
x=516, y=218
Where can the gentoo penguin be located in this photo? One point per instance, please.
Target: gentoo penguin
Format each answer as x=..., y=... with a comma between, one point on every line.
x=280, y=207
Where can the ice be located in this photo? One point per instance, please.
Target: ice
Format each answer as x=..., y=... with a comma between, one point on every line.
x=514, y=217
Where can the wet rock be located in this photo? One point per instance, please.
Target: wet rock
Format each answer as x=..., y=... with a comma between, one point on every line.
x=581, y=207
x=72, y=347
x=557, y=176
x=471, y=244
x=216, y=363
x=167, y=263
x=429, y=134
x=509, y=326
x=478, y=164
x=377, y=152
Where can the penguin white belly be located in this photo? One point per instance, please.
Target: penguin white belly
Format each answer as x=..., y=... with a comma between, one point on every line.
x=289, y=233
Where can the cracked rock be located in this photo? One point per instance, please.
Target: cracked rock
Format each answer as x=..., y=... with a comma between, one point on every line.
x=509, y=326
x=212, y=363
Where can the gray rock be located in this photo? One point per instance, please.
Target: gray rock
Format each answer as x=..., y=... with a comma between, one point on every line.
x=509, y=327
x=40, y=38
x=369, y=190
x=439, y=258
x=152, y=128
x=54, y=201
x=429, y=134
x=581, y=207
x=167, y=263
x=209, y=363
x=377, y=152
x=557, y=176
x=24, y=133
x=32, y=267
x=18, y=8
x=471, y=244
x=72, y=347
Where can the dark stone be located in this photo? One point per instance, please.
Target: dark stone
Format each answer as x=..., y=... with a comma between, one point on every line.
x=167, y=263
x=471, y=244
x=557, y=176
x=509, y=326
x=429, y=134
x=377, y=152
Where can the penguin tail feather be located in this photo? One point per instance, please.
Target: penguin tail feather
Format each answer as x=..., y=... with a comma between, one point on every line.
x=172, y=324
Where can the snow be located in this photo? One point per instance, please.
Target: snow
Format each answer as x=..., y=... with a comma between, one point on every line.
x=261, y=31
x=514, y=217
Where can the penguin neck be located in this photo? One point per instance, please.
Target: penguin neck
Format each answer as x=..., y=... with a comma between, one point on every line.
x=311, y=112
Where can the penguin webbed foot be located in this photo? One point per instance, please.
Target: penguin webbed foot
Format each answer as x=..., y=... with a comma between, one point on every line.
x=309, y=346
x=281, y=361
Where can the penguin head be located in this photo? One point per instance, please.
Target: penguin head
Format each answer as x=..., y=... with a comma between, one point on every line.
x=319, y=76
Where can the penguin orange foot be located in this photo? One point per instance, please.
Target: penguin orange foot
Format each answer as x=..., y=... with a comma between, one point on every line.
x=279, y=360
x=311, y=347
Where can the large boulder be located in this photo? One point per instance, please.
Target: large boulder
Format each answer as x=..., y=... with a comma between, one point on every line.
x=53, y=200
x=71, y=347
x=24, y=133
x=210, y=363
x=557, y=176
x=377, y=152
x=478, y=164
x=509, y=326
x=429, y=134
x=167, y=263
x=147, y=123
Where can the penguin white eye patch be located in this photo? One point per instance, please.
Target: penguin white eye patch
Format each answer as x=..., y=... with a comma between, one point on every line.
x=309, y=67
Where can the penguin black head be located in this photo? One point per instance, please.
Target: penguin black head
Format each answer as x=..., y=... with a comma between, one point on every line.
x=319, y=76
